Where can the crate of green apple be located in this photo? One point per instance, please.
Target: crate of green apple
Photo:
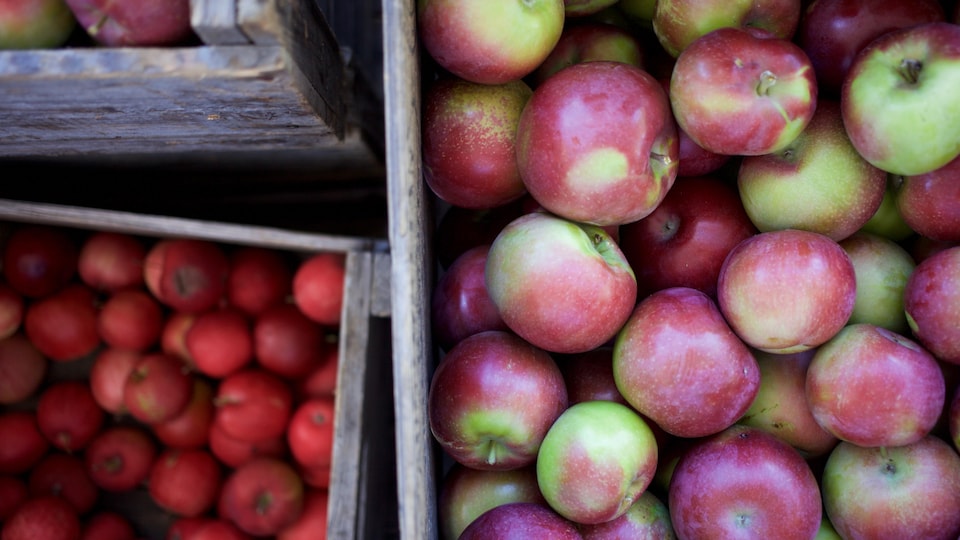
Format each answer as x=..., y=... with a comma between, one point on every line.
x=166, y=378
x=689, y=278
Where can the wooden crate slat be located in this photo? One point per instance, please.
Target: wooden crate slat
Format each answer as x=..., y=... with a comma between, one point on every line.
x=215, y=22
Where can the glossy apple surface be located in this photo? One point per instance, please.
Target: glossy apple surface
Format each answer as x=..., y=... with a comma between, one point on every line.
x=930, y=203
x=465, y=493
x=460, y=303
x=931, y=299
x=134, y=23
x=588, y=41
x=647, y=517
x=520, y=521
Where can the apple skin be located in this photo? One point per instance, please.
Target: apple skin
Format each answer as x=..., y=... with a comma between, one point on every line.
x=781, y=406
x=262, y=497
x=678, y=23
x=770, y=270
x=744, y=482
x=732, y=107
x=816, y=183
x=931, y=299
x=561, y=285
x=832, y=32
x=466, y=493
x=492, y=399
x=910, y=491
x=461, y=305
x=134, y=22
x=470, y=40
x=895, y=81
x=597, y=458
x=679, y=364
x=930, y=203
x=589, y=376
x=460, y=229
x=647, y=518
x=521, y=521
x=572, y=155
x=882, y=267
x=35, y=24
x=469, y=141
x=685, y=240
x=874, y=387
x=589, y=41
x=887, y=221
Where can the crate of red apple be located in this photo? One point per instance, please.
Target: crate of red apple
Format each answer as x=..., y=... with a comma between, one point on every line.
x=695, y=269
x=170, y=378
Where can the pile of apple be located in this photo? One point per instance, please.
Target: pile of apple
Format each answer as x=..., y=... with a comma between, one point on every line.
x=699, y=267
x=197, y=377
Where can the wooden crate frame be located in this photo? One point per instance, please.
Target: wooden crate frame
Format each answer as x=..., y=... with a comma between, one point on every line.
x=361, y=482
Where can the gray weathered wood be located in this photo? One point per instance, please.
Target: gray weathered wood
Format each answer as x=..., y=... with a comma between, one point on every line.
x=215, y=22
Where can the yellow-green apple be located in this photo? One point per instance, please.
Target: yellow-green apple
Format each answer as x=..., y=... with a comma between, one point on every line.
x=460, y=229
x=469, y=141
x=465, y=493
x=743, y=91
x=492, y=399
x=647, y=517
x=781, y=406
x=910, y=491
x=521, y=521
x=678, y=23
x=461, y=305
x=887, y=221
x=581, y=8
x=119, y=23
x=787, y=291
x=930, y=203
x=685, y=240
x=873, y=387
x=816, y=183
x=589, y=41
x=35, y=24
x=931, y=299
x=489, y=41
x=595, y=461
x=744, y=483
x=563, y=286
x=891, y=104
x=573, y=156
x=832, y=32
x=678, y=363
x=882, y=267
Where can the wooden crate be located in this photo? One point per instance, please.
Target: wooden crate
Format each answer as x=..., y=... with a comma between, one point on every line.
x=362, y=489
x=268, y=82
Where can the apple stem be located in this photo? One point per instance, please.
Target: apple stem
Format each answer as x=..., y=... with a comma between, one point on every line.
x=93, y=29
x=910, y=70
x=264, y=501
x=767, y=80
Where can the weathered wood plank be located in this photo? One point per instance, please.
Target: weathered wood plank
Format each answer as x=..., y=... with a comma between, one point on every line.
x=215, y=22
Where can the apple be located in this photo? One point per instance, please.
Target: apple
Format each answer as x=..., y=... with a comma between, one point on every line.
x=595, y=461
x=318, y=284
x=953, y=418
x=322, y=380
x=262, y=497
x=22, y=369
x=465, y=493
x=910, y=491
x=882, y=267
x=134, y=23
x=110, y=261
x=588, y=41
x=887, y=221
x=647, y=517
x=24, y=444
x=804, y=270
x=63, y=325
x=130, y=319
x=119, y=457
x=258, y=278
x=13, y=491
x=895, y=80
x=491, y=400
x=744, y=482
x=460, y=229
x=470, y=39
x=68, y=415
x=816, y=183
x=312, y=523
x=187, y=274
x=639, y=11
x=185, y=482
x=219, y=342
x=931, y=299
x=832, y=32
x=234, y=452
x=930, y=203
x=521, y=521
x=781, y=406
x=219, y=529
x=469, y=133
x=563, y=286
x=310, y=432
x=107, y=525
x=571, y=152
x=685, y=240
x=734, y=107
x=157, y=389
x=39, y=260
x=43, y=517
x=287, y=342
x=173, y=336
x=64, y=475
x=678, y=23
x=583, y=8
x=108, y=375
x=678, y=363
x=589, y=376
x=12, y=307
x=461, y=305
x=35, y=24
x=191, y=428
x=922, y=248
x=253, y=405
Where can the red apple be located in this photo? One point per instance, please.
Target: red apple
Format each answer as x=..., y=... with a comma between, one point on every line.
x=64, y=475
x=185, y=482
x=108, y=525
x=469, y=133
x=930, y=203
x=588, y=41
x=571, y=153
x=111, y=261
x=158, y=388
x=12, y=307
x=187, y=274
x=931, y=299
x=63, y=326
x=804, y=270
x=460, y=229
x=35, y=24
x=173, y=336
x=138, y=23
x=647, y=517
x=492, y=398
x=234, y=452
x=685, y=240
x=521, y=521
x=465, y=493
x=48, y=517
x=23, y=443
x=731, y=106
x=461, y=305
x=262, y=496
x=119, y=458
x=22, y=369
x=130, y=319
x=310, y=432
x=589, y=376
x=322, y=381
x=253, y=405
x=219, y=529
x=259, y=278
x=219, y=342
x=744, y=481
x=13, y=491
x=191, y=428
x=39, y=260
x=108, y=375
x=184, y=528
x=312, y=523
x=678, y=363
x=68, y=415
x=318, y=284
x=287, y=342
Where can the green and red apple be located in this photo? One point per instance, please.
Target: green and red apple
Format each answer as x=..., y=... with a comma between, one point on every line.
x=678, y=23
x=931, y=299
x=883, y=268
x=35, y=24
